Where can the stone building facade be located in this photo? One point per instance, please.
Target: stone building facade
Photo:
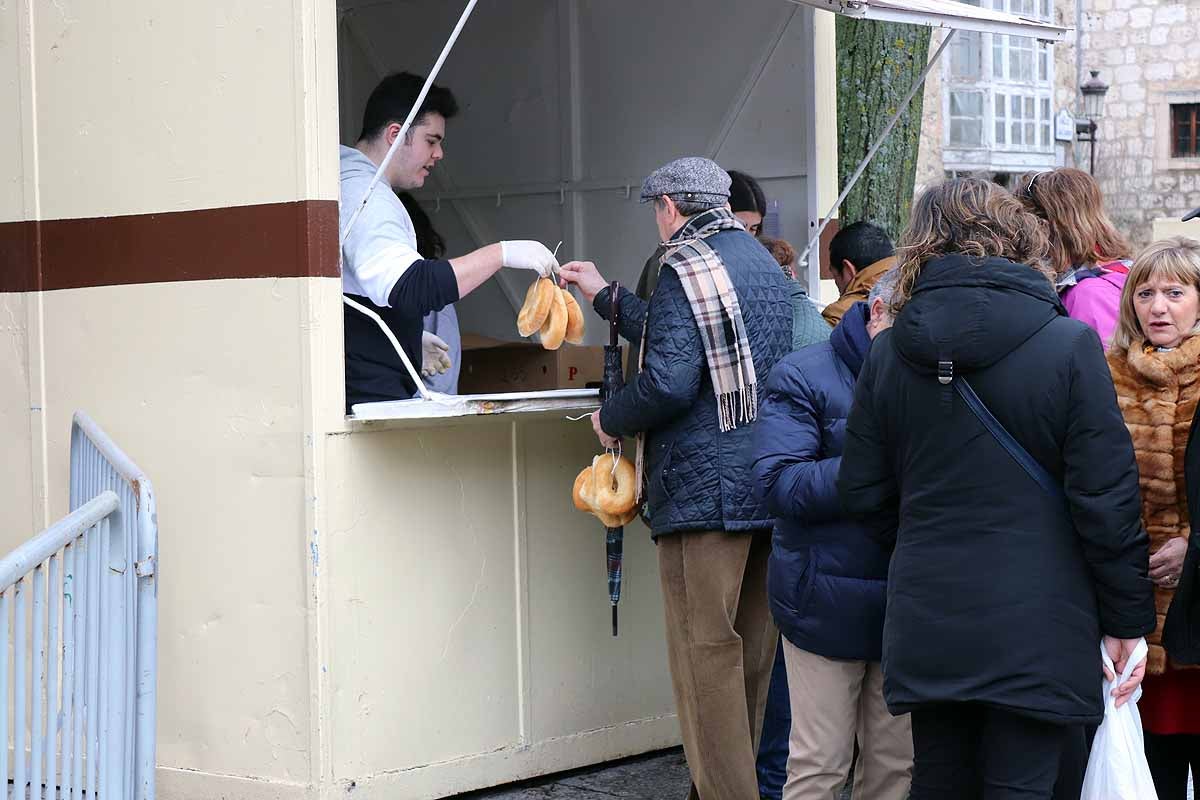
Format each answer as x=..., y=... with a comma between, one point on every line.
x=1146, y=157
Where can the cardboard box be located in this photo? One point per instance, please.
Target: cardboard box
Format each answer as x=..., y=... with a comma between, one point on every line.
x=490, y=365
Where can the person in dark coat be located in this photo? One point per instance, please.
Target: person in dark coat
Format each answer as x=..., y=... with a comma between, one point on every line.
x=717, y=322
x=999, y=591
x=828, y=575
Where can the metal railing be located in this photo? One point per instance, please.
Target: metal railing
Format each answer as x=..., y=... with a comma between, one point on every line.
x=78, y=614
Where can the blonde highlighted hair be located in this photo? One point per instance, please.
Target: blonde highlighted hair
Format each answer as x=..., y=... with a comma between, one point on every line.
x=1072, y=207
x=971, y=217
x=1175, y=259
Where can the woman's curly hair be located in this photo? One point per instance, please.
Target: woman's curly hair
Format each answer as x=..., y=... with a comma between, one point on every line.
x=972, y=217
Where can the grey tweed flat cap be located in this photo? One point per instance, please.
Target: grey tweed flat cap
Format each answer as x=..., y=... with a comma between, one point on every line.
x=693, y=178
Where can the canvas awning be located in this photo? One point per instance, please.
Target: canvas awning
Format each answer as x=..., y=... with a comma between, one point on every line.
x=942, y=14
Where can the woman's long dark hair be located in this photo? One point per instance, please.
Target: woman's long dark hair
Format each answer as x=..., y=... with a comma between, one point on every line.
x=430, y=243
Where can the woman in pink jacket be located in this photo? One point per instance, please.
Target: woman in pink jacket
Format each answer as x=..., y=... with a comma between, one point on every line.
x=1089, y=255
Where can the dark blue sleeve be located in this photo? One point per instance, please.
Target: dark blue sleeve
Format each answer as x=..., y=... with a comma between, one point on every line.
x=1101, y=483
x=427, y=285
x=669, y=383
x=632, y=310
x=866, y=482
x=794, y=480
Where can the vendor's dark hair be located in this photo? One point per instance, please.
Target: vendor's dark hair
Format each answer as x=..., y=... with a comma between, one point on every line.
x=430, y=243
x=862, y=244
x=745, y=194
x=393, y=98
x=972, y=217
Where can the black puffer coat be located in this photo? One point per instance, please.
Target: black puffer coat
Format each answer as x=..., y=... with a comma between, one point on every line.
x=998, y=594
x=698, y=478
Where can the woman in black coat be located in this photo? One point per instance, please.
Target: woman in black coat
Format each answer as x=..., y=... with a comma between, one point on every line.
x=1000, y=587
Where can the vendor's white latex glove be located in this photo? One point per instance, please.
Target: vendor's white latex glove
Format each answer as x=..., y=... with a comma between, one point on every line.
x=525, y=254
x=435, y=355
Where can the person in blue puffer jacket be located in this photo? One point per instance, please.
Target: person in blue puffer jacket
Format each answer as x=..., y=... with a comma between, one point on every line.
x=827, y=575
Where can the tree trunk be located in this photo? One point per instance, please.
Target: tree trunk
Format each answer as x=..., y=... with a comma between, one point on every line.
x=877, y=63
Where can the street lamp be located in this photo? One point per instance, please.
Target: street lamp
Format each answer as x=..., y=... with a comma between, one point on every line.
x=1093, y=90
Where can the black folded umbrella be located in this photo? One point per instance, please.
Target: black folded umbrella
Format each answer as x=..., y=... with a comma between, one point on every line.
x=1195, y=212
x=614, y=379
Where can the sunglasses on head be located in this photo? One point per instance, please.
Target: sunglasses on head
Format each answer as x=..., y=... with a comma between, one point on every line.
x=1032, y=181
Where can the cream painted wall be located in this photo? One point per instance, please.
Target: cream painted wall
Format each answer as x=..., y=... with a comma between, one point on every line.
x=469, y=615
x=154, y=107
x=18, y=517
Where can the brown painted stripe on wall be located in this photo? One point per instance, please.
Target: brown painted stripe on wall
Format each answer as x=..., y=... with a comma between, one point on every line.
x=276, y=240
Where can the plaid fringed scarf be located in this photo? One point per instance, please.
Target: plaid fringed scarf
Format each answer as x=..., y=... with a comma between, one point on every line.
x=718, y=315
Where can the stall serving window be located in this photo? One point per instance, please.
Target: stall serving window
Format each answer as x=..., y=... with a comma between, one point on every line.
x=564, y=108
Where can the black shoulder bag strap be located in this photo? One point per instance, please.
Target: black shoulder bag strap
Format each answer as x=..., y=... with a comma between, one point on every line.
x=1019, y=454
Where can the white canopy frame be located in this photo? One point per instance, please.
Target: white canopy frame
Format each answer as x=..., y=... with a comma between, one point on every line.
x=949, y=14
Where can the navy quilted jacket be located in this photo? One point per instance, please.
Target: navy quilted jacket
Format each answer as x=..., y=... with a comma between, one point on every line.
x=827, y=576
x=698, y=478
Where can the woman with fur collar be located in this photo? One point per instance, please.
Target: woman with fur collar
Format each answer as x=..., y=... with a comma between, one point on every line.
x=1155, y=363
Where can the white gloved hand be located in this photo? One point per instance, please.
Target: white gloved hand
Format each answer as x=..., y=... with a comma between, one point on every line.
x=435, y=355
x=524, y=254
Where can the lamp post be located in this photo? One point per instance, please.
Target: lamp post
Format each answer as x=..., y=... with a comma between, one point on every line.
x=1093, y=90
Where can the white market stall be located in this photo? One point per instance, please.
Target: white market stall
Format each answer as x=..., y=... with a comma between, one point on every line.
x=566, y=107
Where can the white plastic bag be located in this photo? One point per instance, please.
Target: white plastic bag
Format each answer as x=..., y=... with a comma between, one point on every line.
x=1117, y=769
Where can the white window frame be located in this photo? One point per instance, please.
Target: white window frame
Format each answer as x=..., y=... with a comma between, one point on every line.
x=995, y=79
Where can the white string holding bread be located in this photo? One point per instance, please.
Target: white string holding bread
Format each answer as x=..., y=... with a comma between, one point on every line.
x=552, y=313
x=607, y=490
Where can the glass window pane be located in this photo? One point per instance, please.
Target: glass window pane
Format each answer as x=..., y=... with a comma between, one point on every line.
x=998, y=55
x=999, y=104
x=1045, y=134
x=1045, y=108
x=1028, y=108
x=1014, y=109
x=1016, y=133
x=1000, y=131
x=1030, y=134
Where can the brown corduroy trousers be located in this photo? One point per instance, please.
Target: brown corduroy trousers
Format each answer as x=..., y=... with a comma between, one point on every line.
x=721, y=645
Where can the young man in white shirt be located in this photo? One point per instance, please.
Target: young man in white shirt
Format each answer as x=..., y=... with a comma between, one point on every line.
x=381, y=268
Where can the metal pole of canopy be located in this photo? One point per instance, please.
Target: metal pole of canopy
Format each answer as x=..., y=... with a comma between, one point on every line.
x=862, y=167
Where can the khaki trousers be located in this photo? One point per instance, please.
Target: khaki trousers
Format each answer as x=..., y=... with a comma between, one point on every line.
x=720, y=645
x=833, y=702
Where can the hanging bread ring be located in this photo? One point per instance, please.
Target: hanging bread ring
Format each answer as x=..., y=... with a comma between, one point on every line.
x=574, y=333
x=616, y=520
x=554, y=329
x=538, y=301
x=613, y=490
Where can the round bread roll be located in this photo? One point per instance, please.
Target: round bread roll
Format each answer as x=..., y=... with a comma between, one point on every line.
x=554, y=329
x=616, y=520
x=538, y=301
x=574, y=333
x=613, y=492
x=583, y=482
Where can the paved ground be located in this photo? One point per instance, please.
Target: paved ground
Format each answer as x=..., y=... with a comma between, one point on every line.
x=658, y=776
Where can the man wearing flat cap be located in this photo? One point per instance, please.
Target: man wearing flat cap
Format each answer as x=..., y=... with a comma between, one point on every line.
x=718, y=320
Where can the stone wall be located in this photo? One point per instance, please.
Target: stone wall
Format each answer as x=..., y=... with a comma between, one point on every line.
x=1149, y=53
